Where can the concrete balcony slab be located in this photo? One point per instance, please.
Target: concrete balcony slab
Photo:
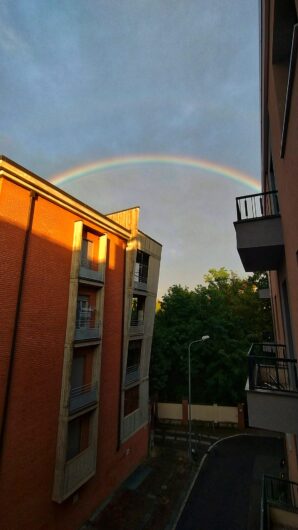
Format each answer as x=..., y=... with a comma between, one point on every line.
x=273, y=410
x=260, y=243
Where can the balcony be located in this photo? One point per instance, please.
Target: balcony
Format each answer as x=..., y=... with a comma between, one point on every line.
x=136, y=327
x=259, y=232
x=132, y=374
x=138, y=417
x=87, y=272
x=272, y=390
x=78, y=470
x=82, y=397
x=140, y=279
x=264, y=294
x=279, y=508
x=87, y=326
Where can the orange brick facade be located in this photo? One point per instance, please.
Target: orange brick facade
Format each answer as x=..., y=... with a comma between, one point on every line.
x=31, y=413
x=267, y=240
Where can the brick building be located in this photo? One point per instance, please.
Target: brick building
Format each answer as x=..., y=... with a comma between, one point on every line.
x=77, y=291
x=267, y=240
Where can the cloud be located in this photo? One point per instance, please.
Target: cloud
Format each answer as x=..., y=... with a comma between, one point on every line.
x=88, y=80
x=10, y=40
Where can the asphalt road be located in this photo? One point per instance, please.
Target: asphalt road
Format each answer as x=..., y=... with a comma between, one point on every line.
x=227, y=492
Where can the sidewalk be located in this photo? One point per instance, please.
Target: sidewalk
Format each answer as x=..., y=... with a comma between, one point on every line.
x=151, y=497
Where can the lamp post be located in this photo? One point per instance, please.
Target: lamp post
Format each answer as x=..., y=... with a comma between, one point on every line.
x=204, y=337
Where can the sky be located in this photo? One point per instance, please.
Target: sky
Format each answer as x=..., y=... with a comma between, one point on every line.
x=150, y=81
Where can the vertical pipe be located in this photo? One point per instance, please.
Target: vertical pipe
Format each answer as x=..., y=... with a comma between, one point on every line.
x=124, y=294
x=33, y=196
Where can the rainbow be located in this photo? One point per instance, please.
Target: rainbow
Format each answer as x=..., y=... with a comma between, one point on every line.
x=79, y=172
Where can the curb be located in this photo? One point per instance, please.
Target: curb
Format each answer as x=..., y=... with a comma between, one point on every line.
x=189, y=491
x=228, y=438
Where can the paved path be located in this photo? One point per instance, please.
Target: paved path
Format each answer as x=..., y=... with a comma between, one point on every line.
x=226, y=495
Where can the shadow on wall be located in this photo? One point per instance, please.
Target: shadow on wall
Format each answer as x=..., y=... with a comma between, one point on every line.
x=33, y=400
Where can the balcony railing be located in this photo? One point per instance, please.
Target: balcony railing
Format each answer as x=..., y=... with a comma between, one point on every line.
x=87, y=325
x=269, y=368
x=85, y=262
x=270, y=349
x=141, y=277
x=136, y=327
x=272, y=389
x=278, y=494
x=259, y=232
x=257, y=206
x=132, y=374
x=82, y=397
x=78, y=470
x=88, y=272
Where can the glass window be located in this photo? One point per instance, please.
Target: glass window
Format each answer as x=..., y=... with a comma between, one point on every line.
x=131, y=400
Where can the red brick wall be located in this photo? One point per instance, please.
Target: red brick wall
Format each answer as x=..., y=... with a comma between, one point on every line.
x=13, y=219
x=30, y=443
x=286, y=175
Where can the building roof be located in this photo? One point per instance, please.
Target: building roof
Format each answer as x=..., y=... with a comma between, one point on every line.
x=29, y=180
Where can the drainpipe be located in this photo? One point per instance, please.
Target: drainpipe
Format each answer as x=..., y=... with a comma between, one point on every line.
x=33, y=197
x=122, y=352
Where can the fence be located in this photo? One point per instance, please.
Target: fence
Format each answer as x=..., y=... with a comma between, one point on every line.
x=208, y=413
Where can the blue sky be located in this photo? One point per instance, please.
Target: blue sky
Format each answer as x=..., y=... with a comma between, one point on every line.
x=88, y=80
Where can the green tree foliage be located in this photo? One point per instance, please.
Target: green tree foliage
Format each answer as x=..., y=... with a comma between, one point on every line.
x=229, y=310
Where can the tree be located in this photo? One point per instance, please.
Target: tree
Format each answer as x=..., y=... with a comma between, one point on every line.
x=230, y=311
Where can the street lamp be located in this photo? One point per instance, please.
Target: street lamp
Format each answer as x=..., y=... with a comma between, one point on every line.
x=204, y=337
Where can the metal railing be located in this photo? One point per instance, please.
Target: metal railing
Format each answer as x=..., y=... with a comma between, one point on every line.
x=136, y=322
x=269, y=349
x=76, y=391
x=86, y=318
x=279, y=493
x=257, y=206
x=87, y=271
x=141, y=278
x=85, y=262
x=87, y=325
x=141, y=274
x=270, y=369
x=132, y=373
x=82, y=396
x=265, y=518
x=136, y=326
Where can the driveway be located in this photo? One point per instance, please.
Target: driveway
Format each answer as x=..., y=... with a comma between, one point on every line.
x=227, y=492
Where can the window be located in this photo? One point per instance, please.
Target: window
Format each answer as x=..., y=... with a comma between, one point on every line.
x=87, y=253
x=77, y=372
x=74, y=439
x=285, y=18
x=131, y=400
x=134, y=352
x=84, y=312
x=137, y=310
x=78, y=436
x=141, y=268
x=133, y=362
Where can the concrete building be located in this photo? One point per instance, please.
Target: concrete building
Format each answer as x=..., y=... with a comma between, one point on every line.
x=77, y=291
x=267, y=240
